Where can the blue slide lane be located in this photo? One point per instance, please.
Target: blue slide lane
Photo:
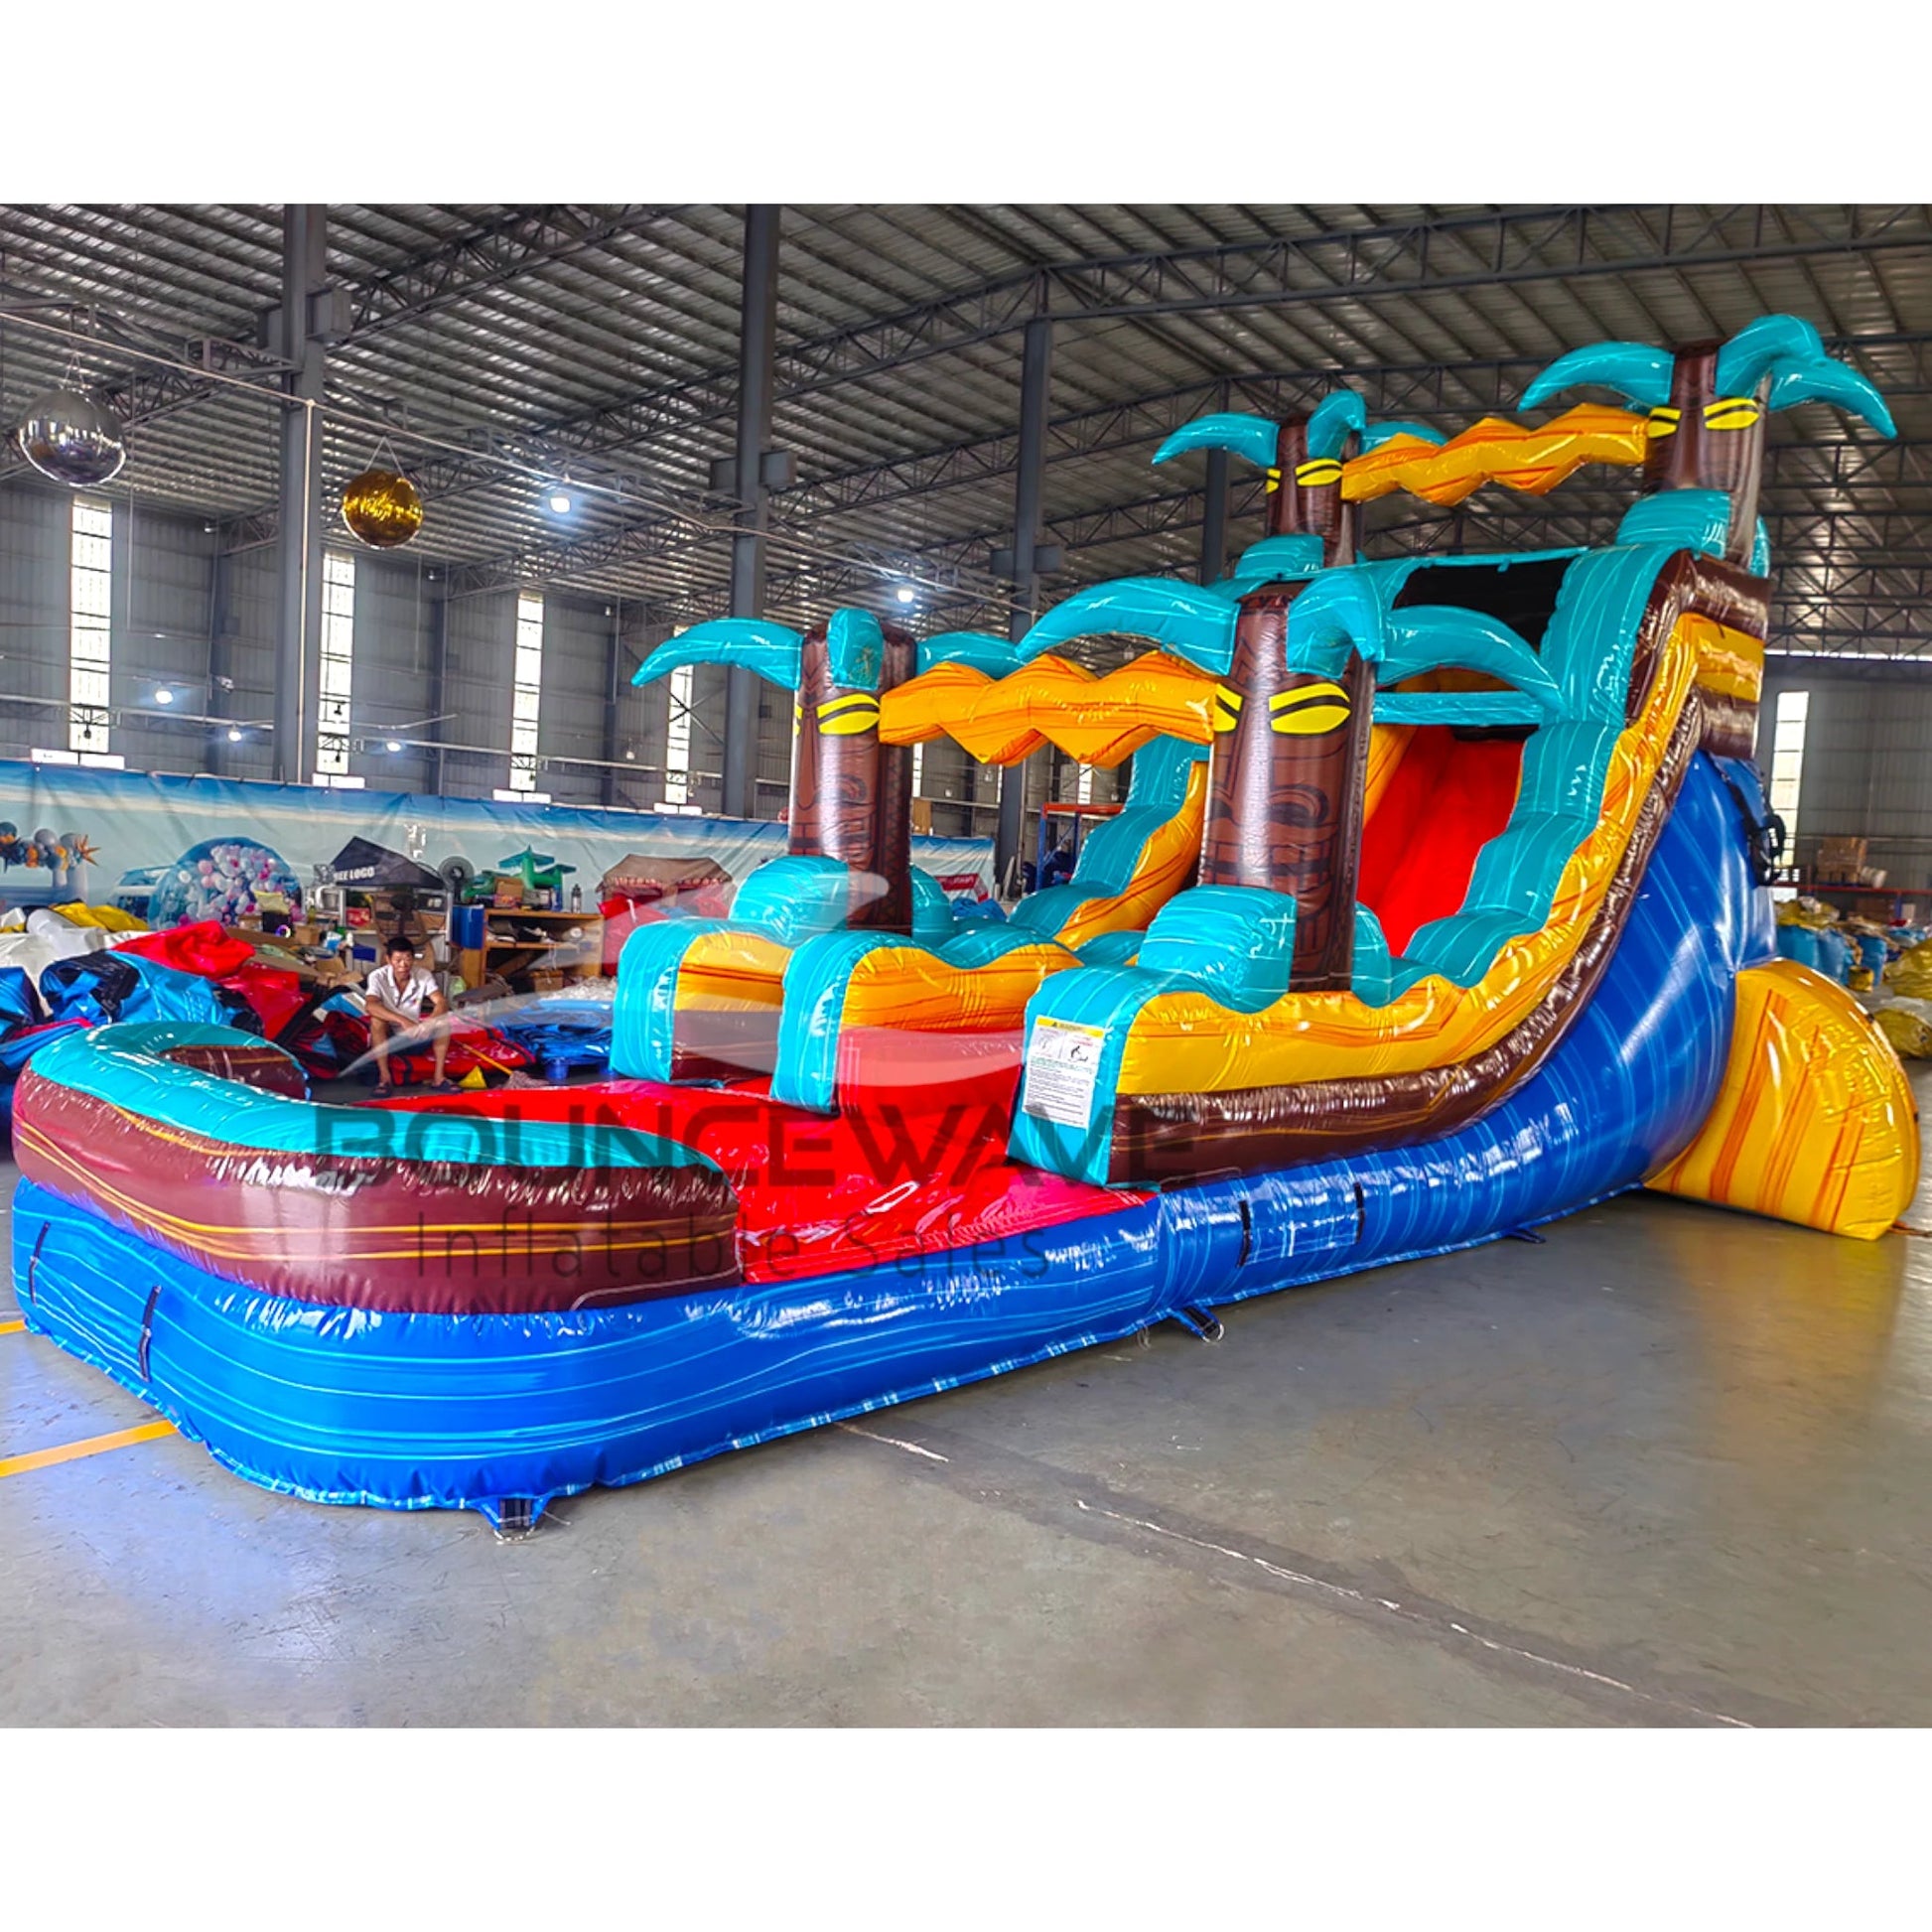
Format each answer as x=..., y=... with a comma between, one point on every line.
x=411, y=1411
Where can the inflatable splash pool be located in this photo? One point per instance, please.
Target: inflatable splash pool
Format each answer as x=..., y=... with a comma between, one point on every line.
x=1438, y=910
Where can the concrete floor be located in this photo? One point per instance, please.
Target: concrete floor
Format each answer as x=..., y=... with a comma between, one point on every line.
x=1672, y=1467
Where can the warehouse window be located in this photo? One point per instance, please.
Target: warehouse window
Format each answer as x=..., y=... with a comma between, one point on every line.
x=90, y=607
x=1788, y=761
x=678, y=743
x=526, y=692
x=338, y=665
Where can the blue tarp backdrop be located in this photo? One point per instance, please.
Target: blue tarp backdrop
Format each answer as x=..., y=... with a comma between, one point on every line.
x=180, y=849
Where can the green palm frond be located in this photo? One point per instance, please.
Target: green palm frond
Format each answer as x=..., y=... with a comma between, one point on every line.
x=753, y=644
x=1252, y=437
x=1790, y=352
x=1636, y=372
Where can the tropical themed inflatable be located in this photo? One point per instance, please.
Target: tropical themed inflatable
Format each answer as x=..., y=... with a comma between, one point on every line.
x=1439, y=907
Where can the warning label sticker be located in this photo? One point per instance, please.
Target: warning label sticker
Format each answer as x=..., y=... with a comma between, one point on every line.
x=1062, y=1064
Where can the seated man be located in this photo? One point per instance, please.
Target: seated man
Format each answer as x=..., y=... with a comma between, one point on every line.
x=396, y=997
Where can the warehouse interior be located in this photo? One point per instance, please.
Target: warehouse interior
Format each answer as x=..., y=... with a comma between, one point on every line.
x=503, y=353
x=1650, y=1464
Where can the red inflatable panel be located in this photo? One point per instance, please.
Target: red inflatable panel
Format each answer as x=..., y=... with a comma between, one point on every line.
x=916, y=1165
x=1448, y=799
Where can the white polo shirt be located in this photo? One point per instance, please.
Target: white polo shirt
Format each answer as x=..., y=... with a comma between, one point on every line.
x=409, y=997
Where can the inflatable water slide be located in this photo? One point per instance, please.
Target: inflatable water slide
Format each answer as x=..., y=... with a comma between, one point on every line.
x=1438, y=908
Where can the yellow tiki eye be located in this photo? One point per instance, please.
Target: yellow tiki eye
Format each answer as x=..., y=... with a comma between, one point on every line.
x=1663, y=422
x=846, y=717
x=1227, y=708
x=1274, y=481
x=1733, y=412
x=1318, y=472
x=1308, y=709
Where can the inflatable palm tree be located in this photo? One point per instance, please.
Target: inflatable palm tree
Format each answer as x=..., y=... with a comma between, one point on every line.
x=1303, y=456
x=1707, y=402
x=851, y=796
x=1285, y=796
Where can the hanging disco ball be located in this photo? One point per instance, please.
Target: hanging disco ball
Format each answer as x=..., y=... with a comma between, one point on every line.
x=381, y=508
x=73, y=439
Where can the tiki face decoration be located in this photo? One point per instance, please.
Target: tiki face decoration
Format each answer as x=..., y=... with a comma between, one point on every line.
x=1285, y=796
x=851, y=795
x=1304, y=491
x=1704, y=440
x=1284, y=809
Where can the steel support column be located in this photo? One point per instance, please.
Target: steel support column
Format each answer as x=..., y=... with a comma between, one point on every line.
x=756, y=348
x=220, y=660
x=298, y=630
x=614, y=692
x=1214, y=521
x=439, y=684
x=1035, y=386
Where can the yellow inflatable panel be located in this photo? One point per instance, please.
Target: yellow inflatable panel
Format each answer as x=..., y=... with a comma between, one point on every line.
x=1815, y=1122
x=1098, y=719
x=732, y=972
x=1166, y=865
x=1731, y=663
x=1496, y=450
x=906, y=986
x=914, y=990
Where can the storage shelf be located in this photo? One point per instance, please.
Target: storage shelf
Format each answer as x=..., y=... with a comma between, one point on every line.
x=518, y=912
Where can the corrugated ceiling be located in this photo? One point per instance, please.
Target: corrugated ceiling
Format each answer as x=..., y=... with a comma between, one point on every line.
x=503, y=344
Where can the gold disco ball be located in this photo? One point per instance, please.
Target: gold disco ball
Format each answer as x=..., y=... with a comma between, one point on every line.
x=381, y=508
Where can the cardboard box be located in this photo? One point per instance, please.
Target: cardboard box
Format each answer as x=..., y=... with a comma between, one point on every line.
x=1841, y=859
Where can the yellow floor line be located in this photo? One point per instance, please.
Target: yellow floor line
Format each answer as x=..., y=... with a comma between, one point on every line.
x=11, y=1327
x=148, y=1432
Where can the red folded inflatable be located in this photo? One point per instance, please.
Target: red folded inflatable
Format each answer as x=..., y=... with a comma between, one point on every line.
x=275, y=996
x=205, y=949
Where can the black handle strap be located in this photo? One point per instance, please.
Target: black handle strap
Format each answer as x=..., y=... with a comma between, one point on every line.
x=1765, y=837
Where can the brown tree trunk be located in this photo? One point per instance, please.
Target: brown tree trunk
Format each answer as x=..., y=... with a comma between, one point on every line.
x=1285, y=798
x=1694, y=452
x=1284, y=790
x=851, y=795
x=1304, y=496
